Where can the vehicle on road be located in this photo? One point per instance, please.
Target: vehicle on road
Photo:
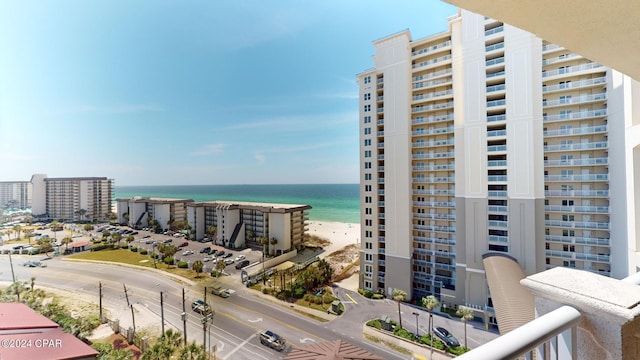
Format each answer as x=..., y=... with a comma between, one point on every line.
x=146, y=236
x=446, y=337
x=184, y=244
x=33, y=264
x=223, y=293
x=272, y=340
x=200, y=307
x=242, y=264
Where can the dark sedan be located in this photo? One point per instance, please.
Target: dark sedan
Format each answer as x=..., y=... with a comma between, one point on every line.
x=446, y=337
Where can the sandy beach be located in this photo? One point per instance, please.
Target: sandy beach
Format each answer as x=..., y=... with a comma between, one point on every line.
x=339, y=234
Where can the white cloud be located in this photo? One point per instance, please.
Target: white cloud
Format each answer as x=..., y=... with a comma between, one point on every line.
x=209, y=149
x=260, y=157
x=114, y=109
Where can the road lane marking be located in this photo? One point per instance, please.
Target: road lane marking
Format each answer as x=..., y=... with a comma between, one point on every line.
x=352, y=299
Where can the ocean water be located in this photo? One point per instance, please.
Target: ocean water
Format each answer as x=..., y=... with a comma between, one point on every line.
x=329, y=202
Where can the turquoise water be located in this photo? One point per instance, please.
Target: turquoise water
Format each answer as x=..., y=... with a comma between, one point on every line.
x=330, y=202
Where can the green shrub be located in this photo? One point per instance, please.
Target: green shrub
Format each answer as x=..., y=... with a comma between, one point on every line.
x=134, y=249
x=101, y=247
x=283, y=295
x=426, y=340
x=458, y=350
x=125, y=246
x=298, y=292
x=360, y=291
x=308, y=297
x=214, y=273
x=183, y=265
x=368, y=294
x=403, y=333
x=377, y=296
x=317, y=300
x=375, y=323
x=169, y=260
x=143, y=252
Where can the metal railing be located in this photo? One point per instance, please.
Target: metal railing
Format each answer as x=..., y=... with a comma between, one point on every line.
x=550, y=333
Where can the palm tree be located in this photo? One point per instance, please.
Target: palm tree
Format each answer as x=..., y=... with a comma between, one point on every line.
x=28, y=234
x=172, y=338
x=220, y=265
x=466, y=314
x=192, y=352
x=18, y=230
x=66, y=241
x=430, y=302
x=197, y=267
x=115, y=237
x=399, y=295
x=130, y=239
x=211, y=232
x=55, y=227
x=33, y=282
x=273, y=242
x=263, y=240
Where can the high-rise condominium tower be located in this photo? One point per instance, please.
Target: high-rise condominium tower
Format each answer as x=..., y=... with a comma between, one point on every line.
x=485, y=138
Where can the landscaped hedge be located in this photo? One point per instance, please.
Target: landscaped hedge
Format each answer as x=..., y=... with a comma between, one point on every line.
x=102, y=247
x=183, y=265
x=403, y=333
x=168, y=260
x=143, y=252
x=134, y=249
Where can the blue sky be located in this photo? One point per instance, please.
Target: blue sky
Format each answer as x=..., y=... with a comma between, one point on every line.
x=191, y=92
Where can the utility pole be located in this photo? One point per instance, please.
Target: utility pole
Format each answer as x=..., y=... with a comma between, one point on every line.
x=125, y=294
x=162, y=311
x=13, y=275
x=100, y=295
x=133, y=318
x=184, y=319
x=205, y=294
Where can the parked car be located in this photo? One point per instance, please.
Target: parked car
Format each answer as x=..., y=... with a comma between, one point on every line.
x=242, y=264
x=184, y=244
x=220, y=253
x=272, y=340
x=240, y=257
x=166, y=241
x=34, y=264
x=206, y=259
x=227, y=255
x=187, y=252
x=229, y=261
x=446, y=337
x=205, y=250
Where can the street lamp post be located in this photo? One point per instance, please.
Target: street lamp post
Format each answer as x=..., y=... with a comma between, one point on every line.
x=417, y=328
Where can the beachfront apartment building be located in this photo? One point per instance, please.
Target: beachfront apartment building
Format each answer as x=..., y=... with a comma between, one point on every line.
x=15, y=195
x=71, y=198
x=486, y=138
x=240, y=224
x=139, y=212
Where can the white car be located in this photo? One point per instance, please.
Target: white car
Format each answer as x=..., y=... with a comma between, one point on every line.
x=229, y=261
x=206, y=258
x=240, y=257
x=187, y=252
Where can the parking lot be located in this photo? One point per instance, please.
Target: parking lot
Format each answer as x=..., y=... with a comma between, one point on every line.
x=190, y=250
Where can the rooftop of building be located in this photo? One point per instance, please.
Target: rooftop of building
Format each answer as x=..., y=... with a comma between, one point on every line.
x=20, y=316
x=265, y=207
x=155, y=200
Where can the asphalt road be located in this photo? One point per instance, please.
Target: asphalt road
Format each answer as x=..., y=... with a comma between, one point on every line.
x=238, y=319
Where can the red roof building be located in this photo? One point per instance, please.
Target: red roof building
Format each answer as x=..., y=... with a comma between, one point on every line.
x=25, y=334
x=331, y=350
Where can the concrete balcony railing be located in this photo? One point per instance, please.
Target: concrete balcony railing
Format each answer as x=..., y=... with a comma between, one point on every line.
x=580, y=315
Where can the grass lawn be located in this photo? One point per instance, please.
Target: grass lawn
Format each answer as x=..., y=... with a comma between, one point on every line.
x=133, y=258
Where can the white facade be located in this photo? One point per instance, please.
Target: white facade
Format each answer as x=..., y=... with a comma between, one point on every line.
x=15, y=194
x=487, y=138
x=240, y=224
x=136, y=211
x=72, y=199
